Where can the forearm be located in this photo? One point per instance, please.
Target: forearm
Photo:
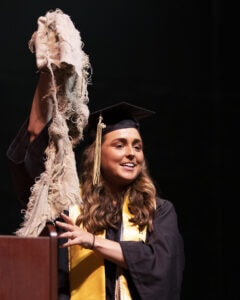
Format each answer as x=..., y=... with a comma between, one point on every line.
x=109, y=250
x=41, y=110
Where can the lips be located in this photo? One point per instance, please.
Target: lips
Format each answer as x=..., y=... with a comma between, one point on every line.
x=129, y=165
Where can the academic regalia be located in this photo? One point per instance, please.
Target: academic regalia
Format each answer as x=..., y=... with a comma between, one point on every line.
x=155, y=267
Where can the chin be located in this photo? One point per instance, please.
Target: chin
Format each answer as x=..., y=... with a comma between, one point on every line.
x=126, y=181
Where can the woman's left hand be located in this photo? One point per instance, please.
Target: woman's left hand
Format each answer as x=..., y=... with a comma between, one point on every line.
x=110, y=250
x=74, y=234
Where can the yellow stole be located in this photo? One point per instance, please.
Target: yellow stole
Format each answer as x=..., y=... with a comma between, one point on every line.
x=130, y=232
x=86, y=269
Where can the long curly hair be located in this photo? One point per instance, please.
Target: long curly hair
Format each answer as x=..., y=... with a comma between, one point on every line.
x=101, y=208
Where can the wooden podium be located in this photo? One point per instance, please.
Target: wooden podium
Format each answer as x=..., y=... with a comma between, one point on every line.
x=28, y=266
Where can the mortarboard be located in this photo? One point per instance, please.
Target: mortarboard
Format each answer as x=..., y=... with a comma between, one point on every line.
x=114, y=117
x=117, y=116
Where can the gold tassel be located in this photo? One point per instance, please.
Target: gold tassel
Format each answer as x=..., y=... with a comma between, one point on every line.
x=97, y=153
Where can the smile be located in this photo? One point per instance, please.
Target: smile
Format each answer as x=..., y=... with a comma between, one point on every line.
x=130, y=165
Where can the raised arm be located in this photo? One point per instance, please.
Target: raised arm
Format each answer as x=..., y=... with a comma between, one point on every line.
x=26, y=152
x=42, y=106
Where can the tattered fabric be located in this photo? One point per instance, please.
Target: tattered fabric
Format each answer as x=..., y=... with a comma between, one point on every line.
x=58, y=49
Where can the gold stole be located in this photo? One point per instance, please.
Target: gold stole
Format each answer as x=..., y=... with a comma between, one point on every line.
x=86, y=269
x=130, y=232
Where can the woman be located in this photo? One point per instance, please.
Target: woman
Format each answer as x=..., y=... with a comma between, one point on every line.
x=123, y=241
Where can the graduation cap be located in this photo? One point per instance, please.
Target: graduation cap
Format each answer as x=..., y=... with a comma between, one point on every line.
x=114, y=117
x=117, y=116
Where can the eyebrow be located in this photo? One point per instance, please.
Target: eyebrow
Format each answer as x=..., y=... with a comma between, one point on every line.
x=137, y=140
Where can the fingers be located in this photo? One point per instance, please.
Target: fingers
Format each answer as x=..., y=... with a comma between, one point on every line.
x=65, y=245
x=67, y=234
x=67, y=219
x=65, y=226
x=70, y=233
x=68, y=224
x=72, y=236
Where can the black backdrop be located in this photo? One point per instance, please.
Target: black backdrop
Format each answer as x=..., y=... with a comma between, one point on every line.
x=174, y=57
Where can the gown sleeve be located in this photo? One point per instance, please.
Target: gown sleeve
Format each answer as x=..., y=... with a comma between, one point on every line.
x=26, y=161
x=155, y=268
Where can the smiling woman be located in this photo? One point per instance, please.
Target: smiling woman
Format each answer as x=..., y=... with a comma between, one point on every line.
x=137, y=240
x=123, y=239
x=120, y=240
x=122, y=164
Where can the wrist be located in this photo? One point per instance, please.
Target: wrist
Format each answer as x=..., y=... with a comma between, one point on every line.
x=93, y=242
x=90, y=243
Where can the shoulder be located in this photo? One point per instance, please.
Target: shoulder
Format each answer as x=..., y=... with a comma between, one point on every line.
x=165, y=208
x=166, y=219
x=163, y=204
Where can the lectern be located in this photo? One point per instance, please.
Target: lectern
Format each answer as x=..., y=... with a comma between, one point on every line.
x=28, y=266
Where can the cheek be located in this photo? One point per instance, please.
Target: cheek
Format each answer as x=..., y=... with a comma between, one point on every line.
x=141, y=163
x=107, y=157
x=110, y=155
x=140, y=158
x=108, y=166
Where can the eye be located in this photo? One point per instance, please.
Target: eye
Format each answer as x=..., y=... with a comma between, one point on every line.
x=119, y=145
x=138, y=147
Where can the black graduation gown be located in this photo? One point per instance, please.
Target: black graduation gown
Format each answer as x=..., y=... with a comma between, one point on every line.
x=155, y=268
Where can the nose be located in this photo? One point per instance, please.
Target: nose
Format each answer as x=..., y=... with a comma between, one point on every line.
x=130, y=151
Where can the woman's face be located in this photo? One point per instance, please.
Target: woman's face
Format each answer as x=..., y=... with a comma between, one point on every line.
x=122, y=156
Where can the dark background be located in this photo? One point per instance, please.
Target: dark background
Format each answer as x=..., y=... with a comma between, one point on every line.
x=178, y=58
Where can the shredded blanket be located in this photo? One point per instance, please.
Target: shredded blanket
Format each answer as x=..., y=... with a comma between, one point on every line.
x=59, y=50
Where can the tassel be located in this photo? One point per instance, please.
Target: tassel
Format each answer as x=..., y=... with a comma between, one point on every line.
x=97, y=153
